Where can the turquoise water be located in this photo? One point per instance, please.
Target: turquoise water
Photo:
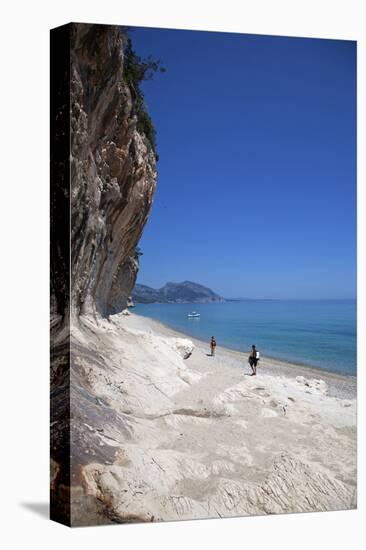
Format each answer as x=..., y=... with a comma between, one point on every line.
x=316, y=333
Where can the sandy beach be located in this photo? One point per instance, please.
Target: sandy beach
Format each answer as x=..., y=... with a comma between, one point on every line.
x=164, y=431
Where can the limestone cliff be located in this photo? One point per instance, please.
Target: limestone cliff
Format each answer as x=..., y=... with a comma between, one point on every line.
x=103, y=177
x=113, y=172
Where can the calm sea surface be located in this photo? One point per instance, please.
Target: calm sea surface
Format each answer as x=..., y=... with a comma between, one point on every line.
x=315, y=333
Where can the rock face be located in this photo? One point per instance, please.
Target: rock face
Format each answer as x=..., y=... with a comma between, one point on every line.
x=103, y=177
x=113, y=173
x=185, y=292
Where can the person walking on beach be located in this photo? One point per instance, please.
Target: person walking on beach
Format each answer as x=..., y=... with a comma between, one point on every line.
x=253, y=360
x=213, y=345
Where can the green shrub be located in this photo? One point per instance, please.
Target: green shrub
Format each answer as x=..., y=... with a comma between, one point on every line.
x=136, y=70
x=137, y=253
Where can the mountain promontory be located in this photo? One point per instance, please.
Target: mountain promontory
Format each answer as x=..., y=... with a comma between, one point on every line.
x=176, y=293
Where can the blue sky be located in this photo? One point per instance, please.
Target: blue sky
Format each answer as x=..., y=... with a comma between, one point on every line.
x=256, y=192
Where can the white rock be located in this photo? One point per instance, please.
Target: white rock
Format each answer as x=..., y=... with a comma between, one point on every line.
x=184, y=347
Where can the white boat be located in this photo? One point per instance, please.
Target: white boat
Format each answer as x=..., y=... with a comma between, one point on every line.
x=194, y=314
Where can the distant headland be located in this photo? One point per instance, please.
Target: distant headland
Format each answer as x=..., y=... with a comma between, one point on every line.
x=176, y=293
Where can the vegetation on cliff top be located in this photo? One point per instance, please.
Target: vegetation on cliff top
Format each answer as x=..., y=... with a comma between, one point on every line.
x=136, y=70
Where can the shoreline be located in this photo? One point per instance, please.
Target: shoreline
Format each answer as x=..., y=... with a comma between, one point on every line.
x=269, y=357
x=165, y=431
x=339, y=384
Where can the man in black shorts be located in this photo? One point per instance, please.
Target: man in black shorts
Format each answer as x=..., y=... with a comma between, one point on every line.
x=253, y=360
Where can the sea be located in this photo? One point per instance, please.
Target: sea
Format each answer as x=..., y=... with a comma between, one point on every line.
x=316, y=333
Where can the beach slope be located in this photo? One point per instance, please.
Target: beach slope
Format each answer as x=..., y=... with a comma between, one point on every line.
x=163, y=431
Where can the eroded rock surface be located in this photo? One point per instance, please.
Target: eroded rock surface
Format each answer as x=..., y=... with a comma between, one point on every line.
x=158, y=437
x=113, y=172
x=113, y=177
